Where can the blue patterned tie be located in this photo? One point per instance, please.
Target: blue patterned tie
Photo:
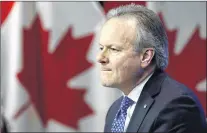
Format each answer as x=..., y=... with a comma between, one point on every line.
x=119, y=121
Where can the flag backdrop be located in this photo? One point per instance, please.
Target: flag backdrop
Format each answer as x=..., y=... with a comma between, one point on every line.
x=49, y=74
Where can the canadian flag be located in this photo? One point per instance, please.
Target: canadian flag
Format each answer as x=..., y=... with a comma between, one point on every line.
x=49, y=75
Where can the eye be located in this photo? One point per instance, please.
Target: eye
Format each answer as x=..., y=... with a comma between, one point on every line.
x=101, y=48
x=114, y=49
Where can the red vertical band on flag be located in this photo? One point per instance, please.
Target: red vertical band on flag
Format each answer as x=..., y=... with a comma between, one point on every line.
x=5, y=8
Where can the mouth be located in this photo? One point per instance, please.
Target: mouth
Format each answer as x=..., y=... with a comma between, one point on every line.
x=105, y=69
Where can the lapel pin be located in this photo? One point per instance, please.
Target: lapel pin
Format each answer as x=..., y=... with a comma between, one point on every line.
x=145, y=106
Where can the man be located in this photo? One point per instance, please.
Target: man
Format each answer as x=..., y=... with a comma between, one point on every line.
x=133, y=56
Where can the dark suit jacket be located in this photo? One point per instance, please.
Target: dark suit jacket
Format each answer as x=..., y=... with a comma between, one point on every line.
x=171, y=107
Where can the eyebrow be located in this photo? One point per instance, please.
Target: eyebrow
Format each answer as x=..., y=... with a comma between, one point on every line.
x=110, y=45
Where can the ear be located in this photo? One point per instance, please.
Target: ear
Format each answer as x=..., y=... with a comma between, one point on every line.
x=146, y=57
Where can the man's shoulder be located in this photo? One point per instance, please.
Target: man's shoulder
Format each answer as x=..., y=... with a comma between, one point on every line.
x=177, y=99
x=175, y=88
x=167, y=86
x=171, y=89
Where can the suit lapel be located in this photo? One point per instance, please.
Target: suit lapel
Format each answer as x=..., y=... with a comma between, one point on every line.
x=141, y=109
x=146, y=100
x=112, y=114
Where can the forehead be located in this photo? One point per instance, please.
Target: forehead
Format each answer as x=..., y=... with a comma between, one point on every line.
x=118, y=31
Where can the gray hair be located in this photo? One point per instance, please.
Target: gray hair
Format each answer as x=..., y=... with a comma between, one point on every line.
x=150, y=31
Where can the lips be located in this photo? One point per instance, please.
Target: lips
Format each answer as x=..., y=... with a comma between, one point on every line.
x=105, y=69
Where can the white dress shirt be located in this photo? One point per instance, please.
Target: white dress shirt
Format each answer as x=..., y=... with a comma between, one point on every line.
x=134, y=95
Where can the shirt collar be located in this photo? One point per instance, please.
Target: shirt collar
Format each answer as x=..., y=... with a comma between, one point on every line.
x=135, y=93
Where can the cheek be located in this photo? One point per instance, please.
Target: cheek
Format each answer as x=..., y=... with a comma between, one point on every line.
x=124, y=64
x=118, y=64
x=128, y=67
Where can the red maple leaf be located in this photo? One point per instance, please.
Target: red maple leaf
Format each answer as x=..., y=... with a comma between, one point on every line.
x=45, y=75
x=188, y=67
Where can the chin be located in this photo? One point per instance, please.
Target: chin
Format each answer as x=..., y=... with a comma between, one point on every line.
x=108, y=81
x=109, y=84
x=106, y=84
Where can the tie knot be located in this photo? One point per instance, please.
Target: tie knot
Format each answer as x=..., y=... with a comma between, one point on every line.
x=126, y=102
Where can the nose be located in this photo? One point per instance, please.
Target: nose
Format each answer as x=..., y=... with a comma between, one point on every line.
x=102, y=58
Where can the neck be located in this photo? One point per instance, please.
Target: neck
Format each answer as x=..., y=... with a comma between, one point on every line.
x=127, y=88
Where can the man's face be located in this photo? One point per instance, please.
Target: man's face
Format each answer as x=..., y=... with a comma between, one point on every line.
x=118, y=60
